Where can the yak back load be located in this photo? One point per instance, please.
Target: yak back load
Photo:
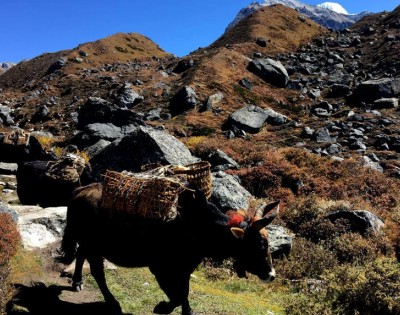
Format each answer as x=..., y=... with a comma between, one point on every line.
x=154, y=192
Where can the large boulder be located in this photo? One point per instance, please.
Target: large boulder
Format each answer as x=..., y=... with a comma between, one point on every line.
x=250, y=119
x=127, y=98
x=97, y=110
x=372, y=90
x=270, y=71
x=280, y=241
x=183, y=100
x=143, y=146
x=220, y=161
x=5, y=116
x=57, y=65
x=40, y=227
x=8, y=168
x=274, y=118
x=227, y=193
x=360, y=221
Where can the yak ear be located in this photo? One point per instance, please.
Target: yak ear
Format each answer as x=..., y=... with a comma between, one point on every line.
x=237, y=232
x=264, y=209
x=271, y=209
x=270, y=213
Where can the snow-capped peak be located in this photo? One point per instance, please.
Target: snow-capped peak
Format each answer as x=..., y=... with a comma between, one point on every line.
x=333, y=6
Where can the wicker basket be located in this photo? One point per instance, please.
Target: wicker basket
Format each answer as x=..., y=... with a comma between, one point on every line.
x=144, y=195
x=16, y=138
x=199, y=175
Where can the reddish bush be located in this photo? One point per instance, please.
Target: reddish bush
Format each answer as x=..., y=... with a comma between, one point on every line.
x=9, y=240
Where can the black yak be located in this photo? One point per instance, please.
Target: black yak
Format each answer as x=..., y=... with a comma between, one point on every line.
x=172, y=250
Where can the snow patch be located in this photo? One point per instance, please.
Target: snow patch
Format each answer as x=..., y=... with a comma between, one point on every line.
x=333, y=6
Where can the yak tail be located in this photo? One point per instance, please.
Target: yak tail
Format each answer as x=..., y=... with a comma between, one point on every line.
x=69, y=243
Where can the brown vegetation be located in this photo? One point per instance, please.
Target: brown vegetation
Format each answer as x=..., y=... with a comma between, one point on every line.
x=9, y=240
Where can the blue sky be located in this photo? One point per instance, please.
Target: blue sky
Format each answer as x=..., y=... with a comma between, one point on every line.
x=29, y=28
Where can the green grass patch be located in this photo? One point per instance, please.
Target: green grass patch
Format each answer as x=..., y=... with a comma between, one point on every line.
x=138, y=292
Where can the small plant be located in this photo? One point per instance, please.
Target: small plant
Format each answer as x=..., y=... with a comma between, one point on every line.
x=193, y=142
x=45, y=142
x=247, y=95
x=121, y=49
x=134, y=47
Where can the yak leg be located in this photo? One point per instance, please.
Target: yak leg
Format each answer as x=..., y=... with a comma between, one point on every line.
x=77, y=282
x=175, y=285
x=97, y=271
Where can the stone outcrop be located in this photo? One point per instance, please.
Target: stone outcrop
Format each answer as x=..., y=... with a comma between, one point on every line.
x=270, y=71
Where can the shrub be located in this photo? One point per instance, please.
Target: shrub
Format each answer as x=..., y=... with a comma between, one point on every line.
x=373, y=289
x=121, y=49
x=9, y=240
x=353, y=248
x=351, y=290
x=306, y=260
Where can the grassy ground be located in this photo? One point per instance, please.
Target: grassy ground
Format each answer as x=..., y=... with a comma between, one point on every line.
x=213, y=290
x=138, y=292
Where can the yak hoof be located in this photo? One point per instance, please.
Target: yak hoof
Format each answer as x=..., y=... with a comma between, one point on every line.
x=163, y=308
x=78, y=286
x=113, y=307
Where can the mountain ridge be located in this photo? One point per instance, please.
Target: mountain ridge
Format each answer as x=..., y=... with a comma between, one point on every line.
x=320, y=15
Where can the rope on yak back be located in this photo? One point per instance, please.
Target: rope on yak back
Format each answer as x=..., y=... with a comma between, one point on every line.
x=68, y=168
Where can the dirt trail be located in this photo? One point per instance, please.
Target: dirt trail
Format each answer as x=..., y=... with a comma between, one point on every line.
x=46, y=292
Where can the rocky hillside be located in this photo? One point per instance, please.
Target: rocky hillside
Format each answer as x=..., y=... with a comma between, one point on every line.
x=314, y=81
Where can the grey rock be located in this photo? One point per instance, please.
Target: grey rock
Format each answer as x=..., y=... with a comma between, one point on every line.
x=127, y=98
x=280, y=241
x=227, y=193
x=5, y=116
x=367, y=162
x=372, y=90
x=307, y=132
x=183, y=100
x=334, y=148
x=97, y=147
x=358, y=145
x=323, y=135
x=386, y=103
x=41, y=114
x=361, y=221
x=220, y=158
x=154, y=114
x=97, y=110
x=6, y=209
x=262, y=42
x=246, y=83
x=142, y=146
x=103, y=131
x=40, y=227
x=250, y=119
x=57, y=65
x=270, y=71
x=213, y=100
x=322, y=109
x=184, y=65
x=274, y=118
x=8, y=168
